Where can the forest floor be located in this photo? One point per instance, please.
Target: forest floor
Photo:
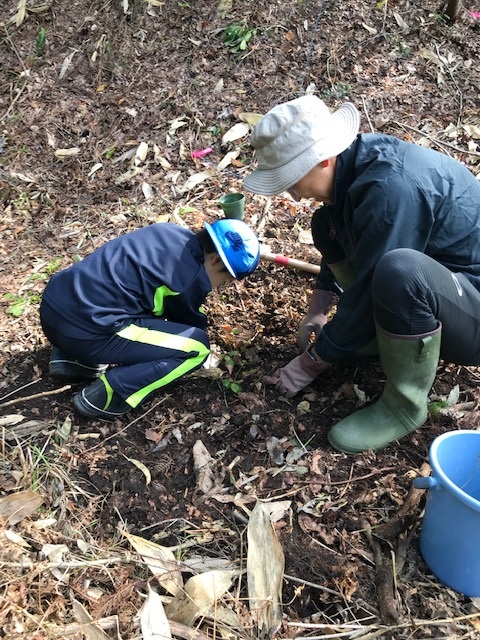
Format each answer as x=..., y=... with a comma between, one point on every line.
x=101, y=106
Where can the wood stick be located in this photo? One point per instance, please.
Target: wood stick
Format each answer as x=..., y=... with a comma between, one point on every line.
x=384, y=579
x=406, y=515
x=36, y=395
x=290, y=262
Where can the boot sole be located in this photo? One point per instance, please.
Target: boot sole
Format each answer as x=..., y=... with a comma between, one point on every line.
x=85, y=408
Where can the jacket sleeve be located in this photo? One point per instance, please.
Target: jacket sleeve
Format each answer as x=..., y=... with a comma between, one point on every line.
x=185, y=308
x=382, y=217
x=329, y=251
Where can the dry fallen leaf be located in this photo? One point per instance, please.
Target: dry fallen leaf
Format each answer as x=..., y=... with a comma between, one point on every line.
x=90, y=630
x=227, y=159
x=176, y=124
x=153, y=620
x=65, y=153
x=20, y=16
x=265, y=567
x=196, y=179
x=161, y=562
x=203, y=464
x=144, y=469
x=18, y=506
x=10, y=419
x=200, y=594
x=141, y=153
x=250, y=118
x=238, y=130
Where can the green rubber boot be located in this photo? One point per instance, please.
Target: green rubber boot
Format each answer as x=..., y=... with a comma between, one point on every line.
x=409, y=364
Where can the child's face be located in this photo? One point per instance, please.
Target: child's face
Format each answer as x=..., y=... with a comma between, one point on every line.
x=216, y=271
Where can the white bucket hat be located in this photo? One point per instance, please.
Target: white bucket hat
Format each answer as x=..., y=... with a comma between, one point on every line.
x=294, y=137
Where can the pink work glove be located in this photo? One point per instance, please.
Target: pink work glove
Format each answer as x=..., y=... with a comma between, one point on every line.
x=297, y=374
x=316, y=317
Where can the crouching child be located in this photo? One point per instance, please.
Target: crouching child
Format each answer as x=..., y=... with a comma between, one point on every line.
x=135, y=302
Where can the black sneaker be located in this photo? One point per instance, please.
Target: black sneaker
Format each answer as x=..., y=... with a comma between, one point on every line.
x=99, y=400
x=61, y=366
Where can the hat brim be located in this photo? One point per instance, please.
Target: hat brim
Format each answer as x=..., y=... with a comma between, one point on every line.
x=343, y=130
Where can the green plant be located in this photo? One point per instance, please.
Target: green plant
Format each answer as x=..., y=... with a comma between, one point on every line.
x=232, y=385
x=403, y=49
x=40, y=42
x=183, y=210
x=18, y=304
x=337, y=90
x=229, y=360
x=440, y=18
x=47, y=271
x=215, y=131
x=237, y=37
x=435, y=408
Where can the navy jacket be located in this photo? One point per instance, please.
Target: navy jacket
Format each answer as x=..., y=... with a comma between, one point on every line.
x=390, y=194
x=157, y=270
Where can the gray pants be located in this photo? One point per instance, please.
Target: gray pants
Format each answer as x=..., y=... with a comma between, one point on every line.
x=411, y=292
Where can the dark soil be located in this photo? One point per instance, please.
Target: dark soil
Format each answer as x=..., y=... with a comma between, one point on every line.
x=130, y=76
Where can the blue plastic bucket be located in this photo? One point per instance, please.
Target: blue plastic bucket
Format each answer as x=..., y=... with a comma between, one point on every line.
x=450, y=535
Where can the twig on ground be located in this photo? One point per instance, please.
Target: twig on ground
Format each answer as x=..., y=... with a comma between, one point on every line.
x=357, y=551
x=351, y=626
x=439, y=143
x=384, y=579
x=29, y=384
x=366, y=115
x=406, y=515
x=187, y=633
x=73, y=564
x=24, y=75
x=35, y=396
x=314, y=586
x=117, y=433
x=358, y=478
x=264, y=216
x=458, y=91
x=385, y=569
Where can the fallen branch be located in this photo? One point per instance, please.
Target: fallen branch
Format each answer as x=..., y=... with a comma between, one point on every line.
x=436, y=141
x=358, y=626
x=358, y=478
x=384, y=579
x=386, y=566
x=36, y=395
x=406, y=515
x=185, y=632
x=314, y=586
x=264, y=216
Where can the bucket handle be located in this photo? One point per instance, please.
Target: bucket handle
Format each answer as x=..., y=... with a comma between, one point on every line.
x=425, y=483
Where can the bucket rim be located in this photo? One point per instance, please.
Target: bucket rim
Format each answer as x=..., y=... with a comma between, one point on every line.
x=441, y=475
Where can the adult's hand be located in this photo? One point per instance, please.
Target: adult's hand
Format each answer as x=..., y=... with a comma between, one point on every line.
x=297, y=374
x=316, y=317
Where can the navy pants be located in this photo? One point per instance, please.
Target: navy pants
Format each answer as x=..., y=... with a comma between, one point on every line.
x=412, y=292
x=150, y=353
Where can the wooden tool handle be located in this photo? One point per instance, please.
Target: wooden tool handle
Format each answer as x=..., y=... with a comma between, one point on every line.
x=291, y=262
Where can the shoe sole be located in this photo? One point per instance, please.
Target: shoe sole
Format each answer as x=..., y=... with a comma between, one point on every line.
x=85, y=408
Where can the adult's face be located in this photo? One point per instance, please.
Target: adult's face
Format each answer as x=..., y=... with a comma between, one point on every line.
x=317, y=184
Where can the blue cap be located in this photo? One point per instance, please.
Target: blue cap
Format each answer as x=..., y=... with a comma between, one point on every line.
x=236, y=244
